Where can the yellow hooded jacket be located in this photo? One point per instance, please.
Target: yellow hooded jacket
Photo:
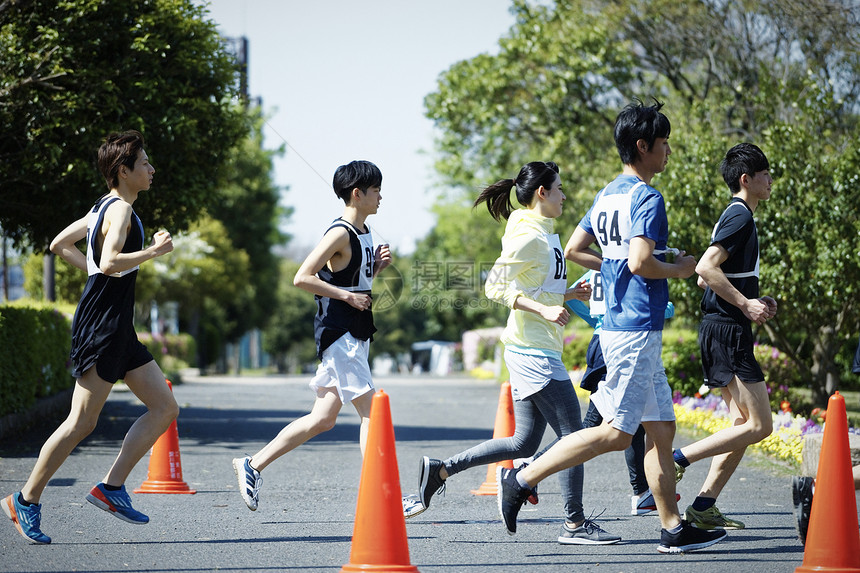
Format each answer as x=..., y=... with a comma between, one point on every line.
x=531, y=265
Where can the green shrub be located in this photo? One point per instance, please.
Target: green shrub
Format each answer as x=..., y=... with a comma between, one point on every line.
x=782, y=378
x=172, y=352
x=682, y=361
x=575, y=349
x=34, y=360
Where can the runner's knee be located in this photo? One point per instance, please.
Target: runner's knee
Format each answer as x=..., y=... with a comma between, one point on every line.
x=323, y=423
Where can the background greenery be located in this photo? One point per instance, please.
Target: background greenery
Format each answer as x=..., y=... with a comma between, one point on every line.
x=782, y=74
x=35, y=354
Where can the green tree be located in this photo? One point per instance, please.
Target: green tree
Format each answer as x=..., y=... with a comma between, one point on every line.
x=209, y=278
x=760, y=71
x=73, y=71
x=247, y=204
x=289, y=334
x=449, y=267
x=69, y=280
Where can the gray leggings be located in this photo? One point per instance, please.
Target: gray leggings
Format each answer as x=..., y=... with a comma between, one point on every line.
x=557, y=405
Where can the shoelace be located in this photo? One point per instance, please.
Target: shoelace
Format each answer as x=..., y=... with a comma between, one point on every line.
x=254, y=490
x=590, y=523
x=33, y=519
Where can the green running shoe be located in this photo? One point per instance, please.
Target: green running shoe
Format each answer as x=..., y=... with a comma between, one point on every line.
x=711, y=518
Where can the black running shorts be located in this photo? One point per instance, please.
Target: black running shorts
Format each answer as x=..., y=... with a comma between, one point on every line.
x=596, y=367
x=113, y=368
x=727, y=351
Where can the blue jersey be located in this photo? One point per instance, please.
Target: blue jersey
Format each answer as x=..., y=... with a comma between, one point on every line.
x=624, y=209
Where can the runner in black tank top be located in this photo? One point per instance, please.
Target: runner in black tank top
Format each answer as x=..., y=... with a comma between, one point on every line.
x=103, y=328
x=339, y=272
x=104, y=345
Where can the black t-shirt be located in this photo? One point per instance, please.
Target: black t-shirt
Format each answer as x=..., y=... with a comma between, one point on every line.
x=736, y=233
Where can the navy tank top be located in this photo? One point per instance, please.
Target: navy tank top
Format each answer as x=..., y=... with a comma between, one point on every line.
x=104, y=320
x=334, y=318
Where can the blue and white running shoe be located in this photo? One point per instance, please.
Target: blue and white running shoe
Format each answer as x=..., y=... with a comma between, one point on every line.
x=116, y=502
x=250, y=481
x=26, y=519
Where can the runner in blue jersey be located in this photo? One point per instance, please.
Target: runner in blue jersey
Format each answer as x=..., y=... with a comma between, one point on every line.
x=641, y=502
x=339, y=272
x=105, y=347
x=729, y=272
x=628, y=221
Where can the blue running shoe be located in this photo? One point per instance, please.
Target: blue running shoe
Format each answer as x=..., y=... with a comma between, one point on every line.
x=116, y=502
x=26, y=519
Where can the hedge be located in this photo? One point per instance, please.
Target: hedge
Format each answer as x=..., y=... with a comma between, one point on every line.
x=34, y=356
x=172, y=352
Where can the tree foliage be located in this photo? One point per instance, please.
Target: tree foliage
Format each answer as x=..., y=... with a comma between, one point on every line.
x=73, y=71
x=209, y=278
x=247, y=204
x=782, y=74
x=288, y=337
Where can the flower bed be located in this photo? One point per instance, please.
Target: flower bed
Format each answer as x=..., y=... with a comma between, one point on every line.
x=710, y=414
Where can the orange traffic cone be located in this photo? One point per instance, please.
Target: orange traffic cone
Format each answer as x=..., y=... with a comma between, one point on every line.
x=379, y=534
x=165, y=466
x=833, y=541
x=504, y=428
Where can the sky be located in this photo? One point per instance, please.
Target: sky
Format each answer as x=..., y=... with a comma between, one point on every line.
x=346, y=79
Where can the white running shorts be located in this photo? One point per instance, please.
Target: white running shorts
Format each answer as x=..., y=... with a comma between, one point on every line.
x=345, y=368
x=636, y=389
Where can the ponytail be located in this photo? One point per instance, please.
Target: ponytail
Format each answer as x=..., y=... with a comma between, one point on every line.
x=532, y=176
x=498, y=198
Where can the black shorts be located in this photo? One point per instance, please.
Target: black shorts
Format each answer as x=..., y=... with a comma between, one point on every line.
x=727, y=351
x=596, y=367
x=113, y=368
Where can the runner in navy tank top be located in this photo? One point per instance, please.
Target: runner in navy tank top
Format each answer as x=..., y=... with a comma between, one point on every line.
x=102, y=330
x=104, y=345
x=339, y=272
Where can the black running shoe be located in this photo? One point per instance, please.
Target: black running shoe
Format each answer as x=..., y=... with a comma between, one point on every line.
x=688, y=539
x=429, y=481
x=801, y=493
x=510, y=497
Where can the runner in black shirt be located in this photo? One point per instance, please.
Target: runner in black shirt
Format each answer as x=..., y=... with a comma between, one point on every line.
x=729, y=272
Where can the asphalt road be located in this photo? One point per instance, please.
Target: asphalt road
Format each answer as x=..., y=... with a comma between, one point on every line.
x=308, y=499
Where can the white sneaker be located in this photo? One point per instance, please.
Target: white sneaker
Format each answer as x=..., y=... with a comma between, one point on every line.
x=412, y=505
x=644, y=503
x=249, y=481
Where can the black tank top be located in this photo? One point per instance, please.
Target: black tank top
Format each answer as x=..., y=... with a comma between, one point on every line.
x=104, y=319
x=335, y=318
